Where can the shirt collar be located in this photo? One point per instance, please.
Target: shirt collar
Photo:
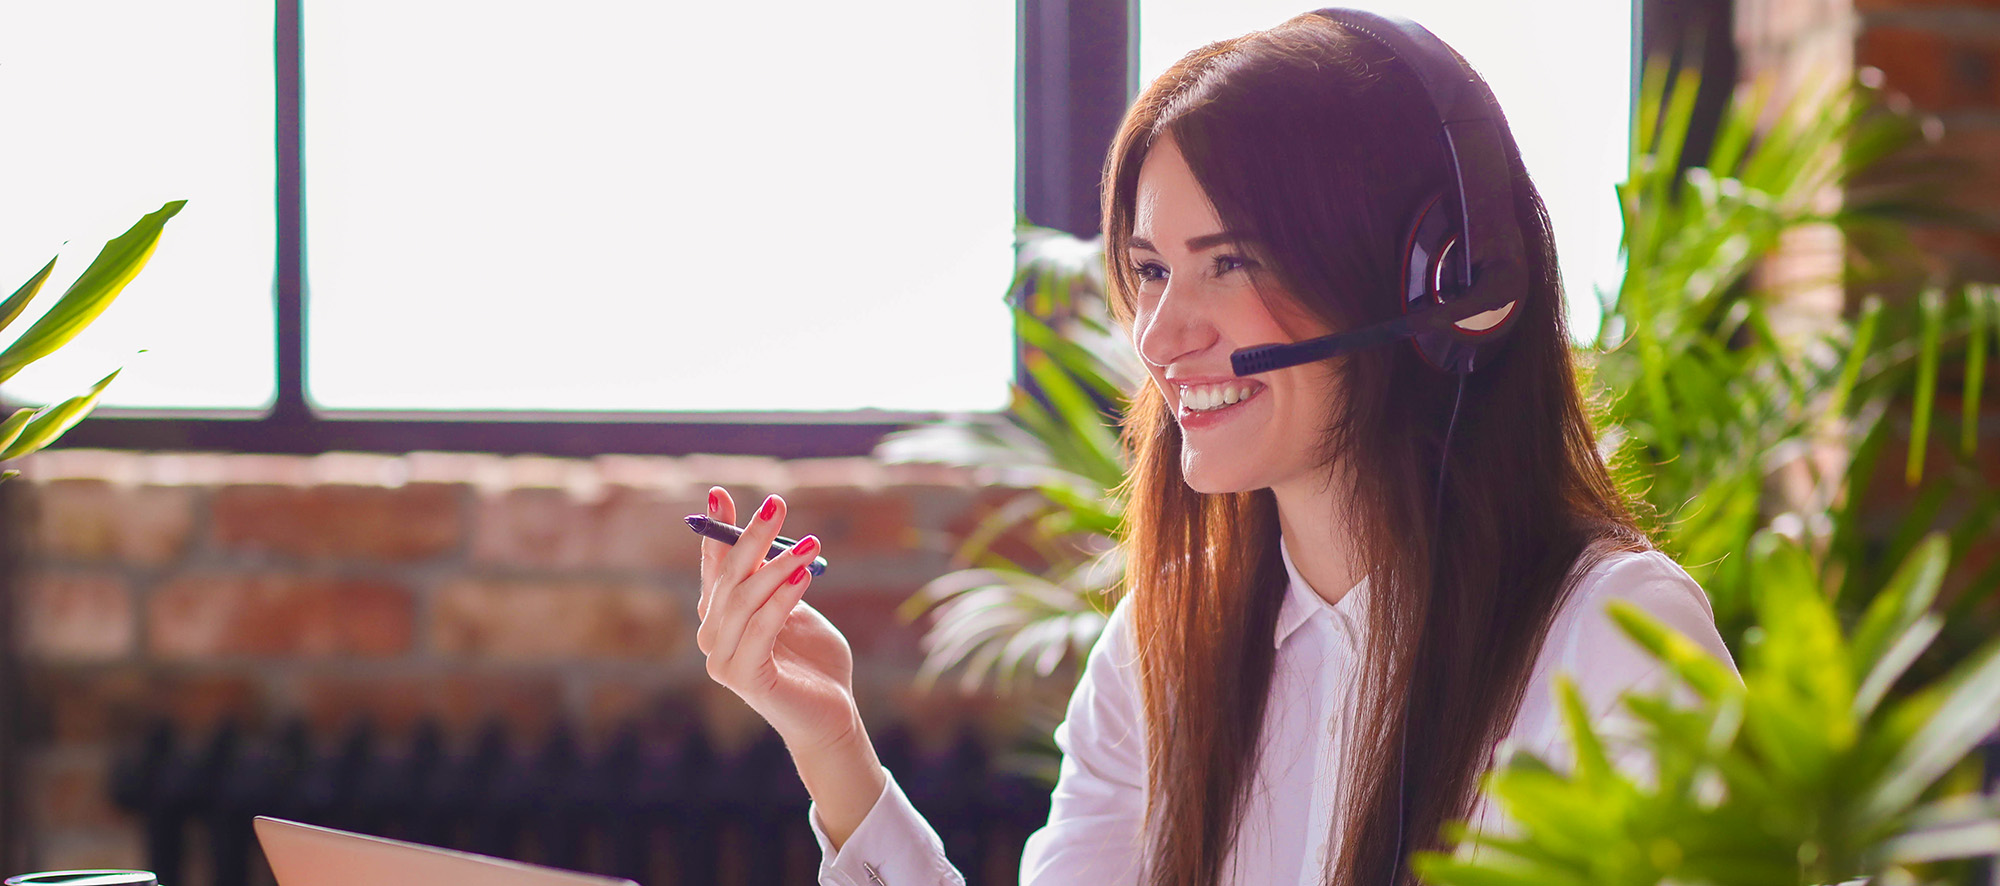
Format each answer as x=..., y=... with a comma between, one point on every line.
x=1302, y=602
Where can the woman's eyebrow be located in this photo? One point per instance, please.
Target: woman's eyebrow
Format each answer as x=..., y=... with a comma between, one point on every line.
x=1194, y=244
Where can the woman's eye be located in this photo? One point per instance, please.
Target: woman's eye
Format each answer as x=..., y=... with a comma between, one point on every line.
x=1147, y=271
x=1226, y=263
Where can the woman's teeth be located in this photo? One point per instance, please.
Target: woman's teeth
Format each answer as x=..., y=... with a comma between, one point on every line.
x=1212, y=398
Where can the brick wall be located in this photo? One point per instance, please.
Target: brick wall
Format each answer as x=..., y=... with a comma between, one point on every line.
x=1945, y=58
x=1936, y=57
x=1940, y=59
x=461, y=588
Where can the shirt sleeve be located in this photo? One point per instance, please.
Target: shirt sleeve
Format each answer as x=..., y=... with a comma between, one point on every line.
x=893, y=846
x=1588, y=645
x=1096, y=813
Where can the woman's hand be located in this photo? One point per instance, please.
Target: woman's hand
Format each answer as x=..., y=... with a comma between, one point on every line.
x=778, y=654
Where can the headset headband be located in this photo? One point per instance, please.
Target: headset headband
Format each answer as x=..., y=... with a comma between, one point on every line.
x=1481, y=169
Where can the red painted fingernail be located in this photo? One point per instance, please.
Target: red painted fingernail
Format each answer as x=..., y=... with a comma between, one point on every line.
x=806, y=546
x=770, y=509
x=714, y=502
x=798, y=575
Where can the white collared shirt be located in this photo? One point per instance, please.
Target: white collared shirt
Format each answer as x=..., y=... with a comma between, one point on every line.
x=1093, y=834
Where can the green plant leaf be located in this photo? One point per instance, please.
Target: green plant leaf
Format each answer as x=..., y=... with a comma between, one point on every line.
x=1968, y=712
x=10, y=430
x=1087, y=438
x=1708, y=677
x=1958, y=827
x=1907, y=596
x=1932, y=302
x=1975, y=369
x=1864, y=338
x=1802, y=635
x=49, y=422
x=18, y=302
x=1896, y=659
x=116, y=264
x=1591, y=762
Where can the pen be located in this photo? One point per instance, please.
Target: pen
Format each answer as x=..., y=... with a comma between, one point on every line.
x=729, y=535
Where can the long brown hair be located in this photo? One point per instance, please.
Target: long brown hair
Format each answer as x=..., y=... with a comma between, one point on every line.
x=1318, y=144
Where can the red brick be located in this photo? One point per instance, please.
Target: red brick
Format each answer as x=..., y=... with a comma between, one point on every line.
x=537, y=620
x=624, y=528
x=1939, y=70
x=396, y=524
x=460, y=703
x=869, y=622
x=849, y=520
x=70, y=789
x=67, y=705
x=1978, y=147
x=209, y=614
x=1972, y=252
x=95, y=520
x=76, y=616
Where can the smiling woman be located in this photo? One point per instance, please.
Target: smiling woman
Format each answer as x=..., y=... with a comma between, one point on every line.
x=1202, y=293
x=1335, y=615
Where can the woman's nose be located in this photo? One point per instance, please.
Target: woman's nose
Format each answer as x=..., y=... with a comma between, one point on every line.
x=1173, y=329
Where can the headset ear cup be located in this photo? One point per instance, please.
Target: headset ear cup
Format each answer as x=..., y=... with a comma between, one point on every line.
x=1430, y=234
x=1428, y=283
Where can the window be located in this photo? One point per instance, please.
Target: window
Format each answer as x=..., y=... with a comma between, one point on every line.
x=626, y=214
x=642, y=206
x=117, y=108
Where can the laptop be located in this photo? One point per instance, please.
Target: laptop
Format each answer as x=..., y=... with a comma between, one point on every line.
x=310, y=855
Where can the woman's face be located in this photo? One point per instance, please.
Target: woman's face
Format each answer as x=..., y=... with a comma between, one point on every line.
x=1198, y=301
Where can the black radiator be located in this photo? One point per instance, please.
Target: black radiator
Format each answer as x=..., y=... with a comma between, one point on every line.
x=659, y=806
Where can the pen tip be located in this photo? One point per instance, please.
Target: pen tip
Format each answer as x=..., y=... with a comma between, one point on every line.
x=696, y=521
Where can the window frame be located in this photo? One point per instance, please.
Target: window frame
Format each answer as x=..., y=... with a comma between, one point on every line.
x=1076, y=70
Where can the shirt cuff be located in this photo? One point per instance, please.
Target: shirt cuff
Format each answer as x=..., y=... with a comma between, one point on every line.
x=893, y=841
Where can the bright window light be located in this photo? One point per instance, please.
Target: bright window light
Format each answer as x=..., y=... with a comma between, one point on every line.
x=619, y=205
x=115, y=107
x=1561, y=70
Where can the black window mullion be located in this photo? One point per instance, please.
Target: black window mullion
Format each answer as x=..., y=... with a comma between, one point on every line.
x=289, y=287
x=1076, y=79
x=1077, y=75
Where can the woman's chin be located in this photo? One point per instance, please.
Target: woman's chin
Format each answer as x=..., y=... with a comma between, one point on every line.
x=1209, y=482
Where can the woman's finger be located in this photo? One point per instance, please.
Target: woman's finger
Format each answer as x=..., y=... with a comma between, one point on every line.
x=754, y=595
x=759, y=531
x=732, y=590
x=721, y=507
x=760, y=636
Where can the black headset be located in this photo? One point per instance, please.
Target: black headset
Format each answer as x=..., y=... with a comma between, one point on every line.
x=1463, y=254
